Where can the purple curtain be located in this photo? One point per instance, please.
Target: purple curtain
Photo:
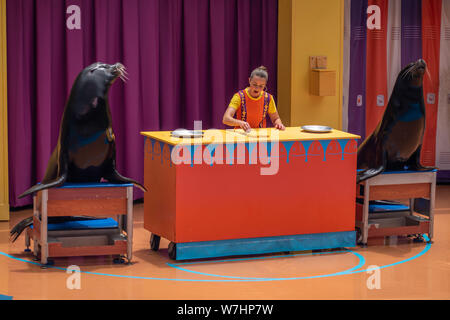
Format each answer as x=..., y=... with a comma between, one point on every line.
x=185, y=59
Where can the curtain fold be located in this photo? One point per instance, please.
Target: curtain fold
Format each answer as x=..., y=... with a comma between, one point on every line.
x=185, y=59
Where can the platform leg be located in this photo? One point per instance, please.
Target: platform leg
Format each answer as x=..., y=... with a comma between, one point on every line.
x=27, y=241
x=44, y=226
x=432, y=203
x=129, y=225
x=365, y=218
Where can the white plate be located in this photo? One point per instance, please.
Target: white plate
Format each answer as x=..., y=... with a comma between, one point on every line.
x=317, y=129
x=183, y=133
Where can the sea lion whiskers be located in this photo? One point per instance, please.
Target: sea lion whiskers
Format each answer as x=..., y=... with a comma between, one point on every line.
x=123, y=78
x=410, y=70
x=429, y=76
x=123, y=74
x=406, y=72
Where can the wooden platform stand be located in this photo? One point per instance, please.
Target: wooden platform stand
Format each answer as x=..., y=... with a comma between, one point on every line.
x=100, y=200
x=418, y=187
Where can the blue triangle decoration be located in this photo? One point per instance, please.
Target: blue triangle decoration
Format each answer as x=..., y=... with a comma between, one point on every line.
x=306, y=145
x=170, y=149
x=250, y=146
x=212, y=151
x=343, y=144
x=161, y=147
x=192, y=150
x=230, y=148
x=324, y=144
x=153, y=147
x=288, y=145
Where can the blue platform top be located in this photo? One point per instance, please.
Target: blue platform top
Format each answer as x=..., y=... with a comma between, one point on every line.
x=402, y=171
x=376, y=206
x=408, y=171
x=83, y=224
x=95, y=185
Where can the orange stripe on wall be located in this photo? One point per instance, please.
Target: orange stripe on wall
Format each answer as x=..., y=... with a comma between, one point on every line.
x=431, y=27
x=376, y=76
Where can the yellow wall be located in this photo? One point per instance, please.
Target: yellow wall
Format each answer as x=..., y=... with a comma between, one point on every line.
x=309, y=28
x=4, y=201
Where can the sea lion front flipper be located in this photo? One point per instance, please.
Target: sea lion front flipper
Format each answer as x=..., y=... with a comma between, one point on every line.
x=51, y=178
x=38, y=187
x=369, y=173
x=115, y=177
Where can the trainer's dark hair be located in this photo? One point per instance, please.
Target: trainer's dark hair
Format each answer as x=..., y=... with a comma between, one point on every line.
x=260, y=72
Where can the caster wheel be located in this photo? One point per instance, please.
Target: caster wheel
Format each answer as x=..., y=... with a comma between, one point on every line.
x=358, y=236
x=154, y=242
x=119, y=260
x=48, y=264
x=27, y=250
x=419, y=239
x=173, y=251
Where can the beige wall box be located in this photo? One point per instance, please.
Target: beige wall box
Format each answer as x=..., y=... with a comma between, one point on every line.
x=323, y=82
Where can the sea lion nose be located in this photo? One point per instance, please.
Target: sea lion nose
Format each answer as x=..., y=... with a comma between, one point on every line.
x=117, y=66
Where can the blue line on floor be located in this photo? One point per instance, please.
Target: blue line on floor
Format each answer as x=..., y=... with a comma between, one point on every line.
x=242, y=279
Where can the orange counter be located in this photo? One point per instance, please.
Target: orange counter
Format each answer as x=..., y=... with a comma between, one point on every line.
x=270, y=183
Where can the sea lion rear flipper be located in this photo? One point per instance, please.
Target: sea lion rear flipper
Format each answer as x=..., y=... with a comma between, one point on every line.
x=18, y=228
x=38, y=187
x=116, y=177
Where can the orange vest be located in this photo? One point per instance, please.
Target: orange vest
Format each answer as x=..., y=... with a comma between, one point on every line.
x=253, y=111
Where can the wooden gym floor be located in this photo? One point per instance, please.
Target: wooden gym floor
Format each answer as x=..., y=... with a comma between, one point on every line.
x=408, y=271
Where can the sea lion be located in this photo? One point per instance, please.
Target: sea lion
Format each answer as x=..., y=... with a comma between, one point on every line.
x=86, y=148
x=396, y=142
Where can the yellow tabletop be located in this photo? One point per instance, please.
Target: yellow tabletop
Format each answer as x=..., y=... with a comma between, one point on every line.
x=255, y=135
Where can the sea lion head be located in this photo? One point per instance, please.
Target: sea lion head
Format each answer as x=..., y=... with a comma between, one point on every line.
x=92, y=85
x=412, y=75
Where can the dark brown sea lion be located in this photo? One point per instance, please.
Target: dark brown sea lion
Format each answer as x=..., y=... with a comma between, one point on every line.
x=397, y=140
x=86, y=149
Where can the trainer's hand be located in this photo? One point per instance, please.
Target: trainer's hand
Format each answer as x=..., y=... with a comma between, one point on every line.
x=245, y=126
x=280, y=126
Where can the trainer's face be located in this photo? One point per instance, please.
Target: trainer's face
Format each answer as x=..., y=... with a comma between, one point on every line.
x=257, y=84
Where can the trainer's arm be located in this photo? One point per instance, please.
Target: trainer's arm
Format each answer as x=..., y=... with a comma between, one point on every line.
x=229, y=120
x=276, y=121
